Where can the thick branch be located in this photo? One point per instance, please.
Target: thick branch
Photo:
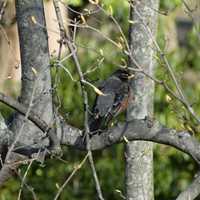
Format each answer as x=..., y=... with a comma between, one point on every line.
x=41, y=124
x=138, y=129
x=23, y=110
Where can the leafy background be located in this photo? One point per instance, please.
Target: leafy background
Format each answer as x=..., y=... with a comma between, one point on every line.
x=173, y=170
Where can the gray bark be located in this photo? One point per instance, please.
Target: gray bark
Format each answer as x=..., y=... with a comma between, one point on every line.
x=139, y=155
x=36, y=80
x=192, y=191
x=138, y=129
x=4, y=136
x=3, y=131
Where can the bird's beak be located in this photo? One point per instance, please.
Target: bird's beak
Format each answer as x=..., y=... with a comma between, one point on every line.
x=131, y=76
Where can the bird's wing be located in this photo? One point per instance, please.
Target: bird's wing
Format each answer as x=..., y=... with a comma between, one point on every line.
x=104, y=103
x=121, y=100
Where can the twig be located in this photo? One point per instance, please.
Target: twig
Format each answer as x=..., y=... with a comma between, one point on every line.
x=94, y=68
x=160, y=82
x=192, y=191
x=97, y=31
x=188, y=12
x=76, y=168
x=169, y=68
x=117, y=25
x=139, y=68
x=182, y=98
x=66, y=70
x=24, y=179
x=2, y=8
x=26, y=115
x=71, y=48
x=86, y=13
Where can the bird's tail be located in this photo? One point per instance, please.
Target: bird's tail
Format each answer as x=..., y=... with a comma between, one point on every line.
x=95, y=125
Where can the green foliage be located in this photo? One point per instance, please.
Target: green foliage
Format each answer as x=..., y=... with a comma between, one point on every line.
x=169, y=5
x=172, y=172
x=74, y=2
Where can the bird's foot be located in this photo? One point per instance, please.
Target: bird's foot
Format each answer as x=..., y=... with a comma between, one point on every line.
x=150, y=121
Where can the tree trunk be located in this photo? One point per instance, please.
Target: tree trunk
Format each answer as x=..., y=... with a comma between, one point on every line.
x=36, y=79
x=36, y=82
x=139, y=155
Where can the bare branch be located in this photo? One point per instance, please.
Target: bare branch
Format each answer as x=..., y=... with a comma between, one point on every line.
x=41, y=124
x=137, y=129
x=192, y=191
x=70, y=177
x=23, y=181
x=169, y=68
x=23, y=110
x=71, y=46
x=9, y=168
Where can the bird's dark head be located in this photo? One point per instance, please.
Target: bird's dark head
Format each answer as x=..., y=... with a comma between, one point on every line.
x=123, y=74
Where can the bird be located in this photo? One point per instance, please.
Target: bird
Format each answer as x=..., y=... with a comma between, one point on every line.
x=115, y=99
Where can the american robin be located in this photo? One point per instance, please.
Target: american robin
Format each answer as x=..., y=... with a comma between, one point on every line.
x=115, y=100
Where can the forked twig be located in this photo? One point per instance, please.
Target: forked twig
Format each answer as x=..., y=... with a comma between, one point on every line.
x=70, y=176
x=71, y=46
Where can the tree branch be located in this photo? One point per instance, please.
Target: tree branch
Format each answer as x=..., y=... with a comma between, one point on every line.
x=36, y=79
x=41, y=124
x=192, y=191
x=138, y=129
x=71, y=46
x=23, y=110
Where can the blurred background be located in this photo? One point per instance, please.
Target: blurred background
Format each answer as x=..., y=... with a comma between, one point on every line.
x=179, y=37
